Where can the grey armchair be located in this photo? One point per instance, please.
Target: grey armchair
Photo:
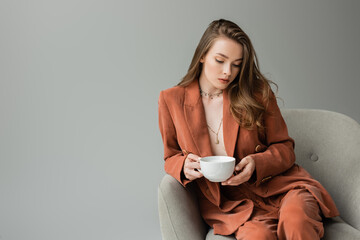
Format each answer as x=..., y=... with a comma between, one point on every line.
x=327, y=144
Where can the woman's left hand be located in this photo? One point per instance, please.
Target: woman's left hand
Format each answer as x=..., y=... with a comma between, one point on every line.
x=246, y=166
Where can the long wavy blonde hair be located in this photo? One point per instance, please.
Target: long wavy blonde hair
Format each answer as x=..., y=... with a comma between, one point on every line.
x=250, y=91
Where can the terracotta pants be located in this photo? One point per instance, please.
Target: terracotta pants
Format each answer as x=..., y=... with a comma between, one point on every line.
x=299, y=218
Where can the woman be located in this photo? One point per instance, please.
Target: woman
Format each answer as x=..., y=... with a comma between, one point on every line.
x=225, y=106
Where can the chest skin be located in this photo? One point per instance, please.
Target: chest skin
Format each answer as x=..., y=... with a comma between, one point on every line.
x=214, y=119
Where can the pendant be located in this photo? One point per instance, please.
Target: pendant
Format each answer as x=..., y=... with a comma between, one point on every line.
x=217, y=140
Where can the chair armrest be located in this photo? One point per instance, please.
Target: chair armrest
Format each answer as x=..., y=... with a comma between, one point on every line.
x=336, y=228
x=179, y=212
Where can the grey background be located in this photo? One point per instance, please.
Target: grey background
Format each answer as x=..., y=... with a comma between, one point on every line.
x=80, y=149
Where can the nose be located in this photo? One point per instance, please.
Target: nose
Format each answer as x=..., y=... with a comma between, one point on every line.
x=227, y=70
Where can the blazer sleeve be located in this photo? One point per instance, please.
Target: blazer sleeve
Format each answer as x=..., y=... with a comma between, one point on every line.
x=173, y=155
x=279, y=155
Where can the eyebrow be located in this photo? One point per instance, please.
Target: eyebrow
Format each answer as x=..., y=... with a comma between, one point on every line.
x=228, y=57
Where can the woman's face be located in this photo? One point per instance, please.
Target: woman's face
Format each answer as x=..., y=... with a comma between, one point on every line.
x=221, y=64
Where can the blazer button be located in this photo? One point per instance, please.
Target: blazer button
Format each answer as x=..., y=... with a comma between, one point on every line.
x=257, y=148
x=185, y=152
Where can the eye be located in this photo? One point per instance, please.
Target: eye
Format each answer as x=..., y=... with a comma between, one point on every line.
x=219, y=61
x=237, y=65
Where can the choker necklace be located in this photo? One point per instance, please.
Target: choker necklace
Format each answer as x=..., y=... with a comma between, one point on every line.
x=211, y=95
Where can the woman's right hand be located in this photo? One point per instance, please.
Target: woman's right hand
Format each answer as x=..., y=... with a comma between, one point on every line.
x=191, y=166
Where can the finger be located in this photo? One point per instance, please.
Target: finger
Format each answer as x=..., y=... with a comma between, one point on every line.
x=247, y=169
x=197, y=174
x=238, y=179
x=193, y=165
x=194, y=157
x=234, y=182
x=226, y=181
x=192, y=174
x=190, y=160
x=241, y=164
x=188, y=174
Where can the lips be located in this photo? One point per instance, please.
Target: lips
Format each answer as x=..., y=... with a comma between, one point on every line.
x=223, y=80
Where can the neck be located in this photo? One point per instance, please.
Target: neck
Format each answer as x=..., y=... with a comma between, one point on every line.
x=206, y=87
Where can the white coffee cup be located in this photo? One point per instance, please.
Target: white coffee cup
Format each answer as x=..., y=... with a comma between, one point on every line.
x=217, y=168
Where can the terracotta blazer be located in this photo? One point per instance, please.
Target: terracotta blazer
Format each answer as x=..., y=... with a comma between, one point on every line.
x=183, y=128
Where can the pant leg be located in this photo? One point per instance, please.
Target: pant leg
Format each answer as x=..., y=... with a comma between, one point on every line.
x=257, y=230
x=299, y=217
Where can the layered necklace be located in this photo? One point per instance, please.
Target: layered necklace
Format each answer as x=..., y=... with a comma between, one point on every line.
x=211, y=96
x=216, y=133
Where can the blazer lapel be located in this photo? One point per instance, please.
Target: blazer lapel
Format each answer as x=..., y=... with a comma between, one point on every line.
x=195, y=118
x=230, y=126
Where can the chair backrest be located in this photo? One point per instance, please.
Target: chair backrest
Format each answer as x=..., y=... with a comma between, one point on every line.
x=327, y=145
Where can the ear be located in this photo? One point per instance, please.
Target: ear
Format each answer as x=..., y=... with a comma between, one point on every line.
x=202, y=60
